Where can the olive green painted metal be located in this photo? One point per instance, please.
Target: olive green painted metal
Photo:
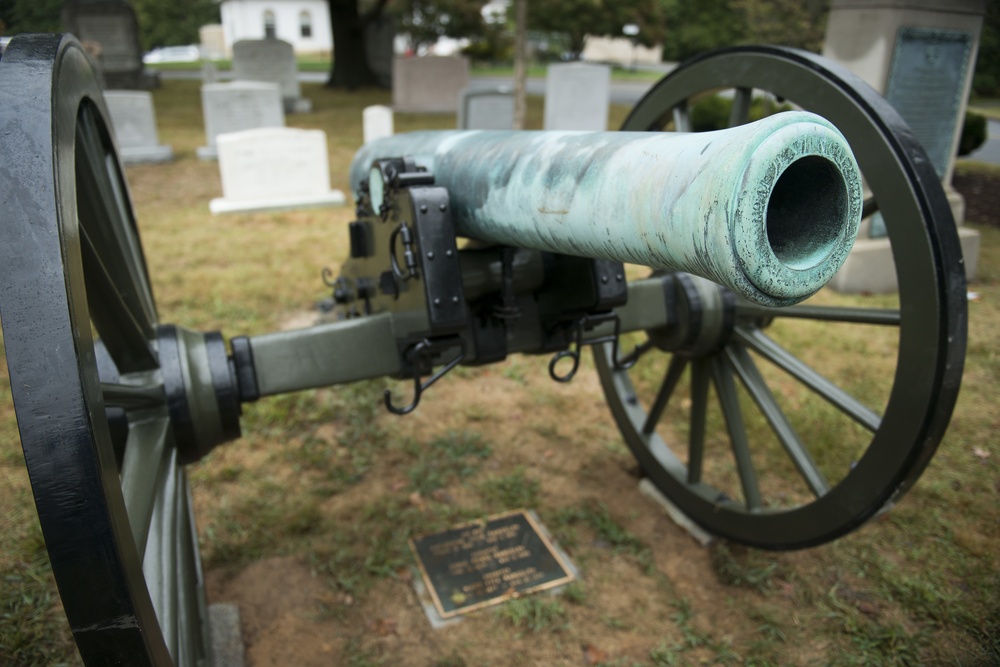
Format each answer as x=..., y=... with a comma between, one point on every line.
x=112, y=497
x=769, y=209
x=327, y=354
x=763, y=342
x=366, y=348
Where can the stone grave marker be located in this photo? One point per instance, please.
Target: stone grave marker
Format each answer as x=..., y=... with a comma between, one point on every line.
x=274, y=168
x=134, y=121
x=209, y=72
x=577, y=97
x=272, y=61
x=112, y=25
x=377, y=121
x=486, y=109
x=236, y=106
x=430, y=84
x=919, y=54
x=212, y=41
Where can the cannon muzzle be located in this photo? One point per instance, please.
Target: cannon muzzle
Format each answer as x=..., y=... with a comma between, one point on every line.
x=770, y=209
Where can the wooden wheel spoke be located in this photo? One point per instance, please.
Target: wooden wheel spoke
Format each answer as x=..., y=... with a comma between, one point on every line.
x=143, y=470
x=870, y=207
x=682, y=117
x=103, y=209
x=757, y=388
x=877, y=316
x=673, y=375
x=699, y=412
x=740, y=112
x=126, y=337
x=840, y=399
x=725, y=387
x=159, y=563
x=133, y=397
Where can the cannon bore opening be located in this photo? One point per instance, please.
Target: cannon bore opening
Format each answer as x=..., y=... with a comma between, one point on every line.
x=806, y=212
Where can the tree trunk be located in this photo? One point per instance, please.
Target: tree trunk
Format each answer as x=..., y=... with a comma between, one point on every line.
x=350, y=60
x=520, y=73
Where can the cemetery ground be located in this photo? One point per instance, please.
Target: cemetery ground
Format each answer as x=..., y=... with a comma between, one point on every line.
x=304, y=521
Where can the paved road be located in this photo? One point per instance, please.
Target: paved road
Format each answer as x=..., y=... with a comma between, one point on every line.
x=989, y=151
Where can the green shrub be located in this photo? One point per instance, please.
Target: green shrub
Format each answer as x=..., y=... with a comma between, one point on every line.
x=973, y=133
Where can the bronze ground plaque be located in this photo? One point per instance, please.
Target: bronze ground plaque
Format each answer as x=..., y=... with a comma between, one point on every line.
x=487, y=562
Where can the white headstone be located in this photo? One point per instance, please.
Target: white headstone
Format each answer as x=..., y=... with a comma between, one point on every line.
x=486, y=109
x=428, y=84
x=273, y=169
x=134, y=122
x=577, y=97
x=273, y=61
x=209, y=72
x=377, y=120
x=237, y=106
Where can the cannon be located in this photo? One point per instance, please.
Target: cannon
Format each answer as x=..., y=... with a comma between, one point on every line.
x=464, y=258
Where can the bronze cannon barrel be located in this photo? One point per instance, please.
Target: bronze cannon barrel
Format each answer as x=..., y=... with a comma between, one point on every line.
x=770, y=209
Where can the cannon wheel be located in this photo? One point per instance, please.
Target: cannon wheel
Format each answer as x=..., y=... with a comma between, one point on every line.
x=897, y=444
x=112, y=498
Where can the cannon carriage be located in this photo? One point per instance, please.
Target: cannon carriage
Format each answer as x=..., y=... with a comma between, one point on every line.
x=112, y=404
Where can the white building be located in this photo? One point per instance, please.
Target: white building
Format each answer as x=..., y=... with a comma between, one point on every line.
x=305, y=24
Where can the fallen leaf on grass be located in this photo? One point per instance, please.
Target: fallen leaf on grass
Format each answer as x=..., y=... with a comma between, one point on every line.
x=980, y=453
x=441, y=496
x=593, y=655
x=383, y=627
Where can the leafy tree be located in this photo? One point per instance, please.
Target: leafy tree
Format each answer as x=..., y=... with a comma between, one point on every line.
x=427, y=20
x=694, y=27
x=173, y=22
x=579, y=18
x=30, y=16
x=986, y=80
x=785, y=22
x=348, y=22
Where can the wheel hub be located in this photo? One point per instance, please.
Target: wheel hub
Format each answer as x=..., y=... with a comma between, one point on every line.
x=704, y=314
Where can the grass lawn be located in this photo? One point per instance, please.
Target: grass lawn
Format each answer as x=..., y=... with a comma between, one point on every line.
x=319, y=64
x=304, y=521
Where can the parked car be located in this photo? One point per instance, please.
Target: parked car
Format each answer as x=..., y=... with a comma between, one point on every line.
x=173, y=54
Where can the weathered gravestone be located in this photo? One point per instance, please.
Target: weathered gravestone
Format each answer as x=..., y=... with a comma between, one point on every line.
x=486, y=109
x=919, y=55
x=577, y=97
x=212, y=41
x=429, y=84
x=272, y=61
x=377, y=121
x=237, y=106
x=112, y=25
x=271, y=169
x=134, y=120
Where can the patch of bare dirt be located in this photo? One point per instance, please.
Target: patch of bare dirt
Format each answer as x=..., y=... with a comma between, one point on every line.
x=982, y=196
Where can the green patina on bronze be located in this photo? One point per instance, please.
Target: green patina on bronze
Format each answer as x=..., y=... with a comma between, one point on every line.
x=769, y=209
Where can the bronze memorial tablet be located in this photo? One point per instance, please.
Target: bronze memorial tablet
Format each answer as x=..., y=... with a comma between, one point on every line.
x=486, y=562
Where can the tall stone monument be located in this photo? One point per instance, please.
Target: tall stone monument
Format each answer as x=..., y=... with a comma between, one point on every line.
x=110, y=28
x=920, y=55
